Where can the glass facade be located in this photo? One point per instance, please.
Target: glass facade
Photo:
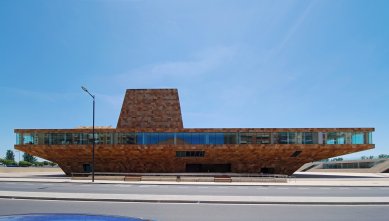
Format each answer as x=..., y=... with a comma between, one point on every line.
x=204, y=138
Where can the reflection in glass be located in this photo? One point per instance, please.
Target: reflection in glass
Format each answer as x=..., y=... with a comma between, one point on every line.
x=215, y=138
x=357, y=138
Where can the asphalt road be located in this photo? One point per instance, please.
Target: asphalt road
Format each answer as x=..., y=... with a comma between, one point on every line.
x=189, y=212
x=215, y=190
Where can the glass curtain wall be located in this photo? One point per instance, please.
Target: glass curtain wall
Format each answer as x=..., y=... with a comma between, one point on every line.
x=197, y=138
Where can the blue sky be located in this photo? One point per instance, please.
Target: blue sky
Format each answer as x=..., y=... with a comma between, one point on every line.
x=235, y=63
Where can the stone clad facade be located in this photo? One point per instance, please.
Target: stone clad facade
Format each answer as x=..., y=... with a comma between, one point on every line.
x=147, y=108
x=150, y=138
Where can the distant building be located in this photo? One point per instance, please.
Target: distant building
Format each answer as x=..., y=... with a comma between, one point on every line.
x=360, y=166
x=150, y=137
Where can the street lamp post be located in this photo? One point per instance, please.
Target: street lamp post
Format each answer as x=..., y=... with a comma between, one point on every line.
x=93, y=134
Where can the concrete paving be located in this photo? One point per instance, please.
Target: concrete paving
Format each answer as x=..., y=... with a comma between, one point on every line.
x=314, y=179
x=30, y=169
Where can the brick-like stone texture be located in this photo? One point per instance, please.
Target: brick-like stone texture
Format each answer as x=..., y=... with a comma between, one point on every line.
x=247, y=158
x=150, y=108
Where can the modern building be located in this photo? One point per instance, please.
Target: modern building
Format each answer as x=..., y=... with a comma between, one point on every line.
x=150, y=138
x=347, y=166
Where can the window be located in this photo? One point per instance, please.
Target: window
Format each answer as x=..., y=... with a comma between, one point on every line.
x=283, y=138
x=183, y=138
x=198, y=138
x=190, y=153
x=296, y=153
x=215, y=138
x=18, y=138
x=308, y=138
x=87, y=168
x=68, y=139
x=28, y=138
x=263, y=138
x=83, y=138
x=126, y=138
x=246, y=138
x=151, y=138
x=370, y=138
x=331, y=138
x=357, y=138
x=337, y=138
x=230, y=138
x=58, y=138
x=166, y=138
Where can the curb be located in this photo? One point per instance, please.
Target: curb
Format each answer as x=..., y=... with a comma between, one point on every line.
x=194, y=201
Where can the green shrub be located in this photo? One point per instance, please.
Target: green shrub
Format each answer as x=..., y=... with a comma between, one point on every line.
x=25, y=164
x=38, y=164
x=9, y=163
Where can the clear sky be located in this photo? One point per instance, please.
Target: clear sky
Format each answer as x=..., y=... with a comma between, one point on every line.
x=235, y=63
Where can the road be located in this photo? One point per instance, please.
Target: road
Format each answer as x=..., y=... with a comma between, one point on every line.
x=213, y=190
x=197, y=211
x=189, y=212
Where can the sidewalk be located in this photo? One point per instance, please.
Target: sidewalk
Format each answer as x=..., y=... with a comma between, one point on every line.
x=57, y=178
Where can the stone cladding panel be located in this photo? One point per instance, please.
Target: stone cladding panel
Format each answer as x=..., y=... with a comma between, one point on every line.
x=150, y=108
x=247, y=158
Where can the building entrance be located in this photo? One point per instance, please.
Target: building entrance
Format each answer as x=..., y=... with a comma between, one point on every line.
x=205, y=168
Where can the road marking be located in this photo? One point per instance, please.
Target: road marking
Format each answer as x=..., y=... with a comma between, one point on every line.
x=202, y=187
x=282, y=188
x=261, y=188
x=123, y=185
x=344, y=188
x=147, y=186
x=42, y=188
x=183, y=187
x=222, y=187
x=303, y=188
x=325, y=188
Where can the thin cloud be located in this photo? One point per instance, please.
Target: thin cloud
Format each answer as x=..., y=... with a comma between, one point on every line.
x=289, y=34
x=200, y=65
x=296, y=25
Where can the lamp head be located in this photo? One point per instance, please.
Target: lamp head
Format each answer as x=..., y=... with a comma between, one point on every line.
x=83, y=88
